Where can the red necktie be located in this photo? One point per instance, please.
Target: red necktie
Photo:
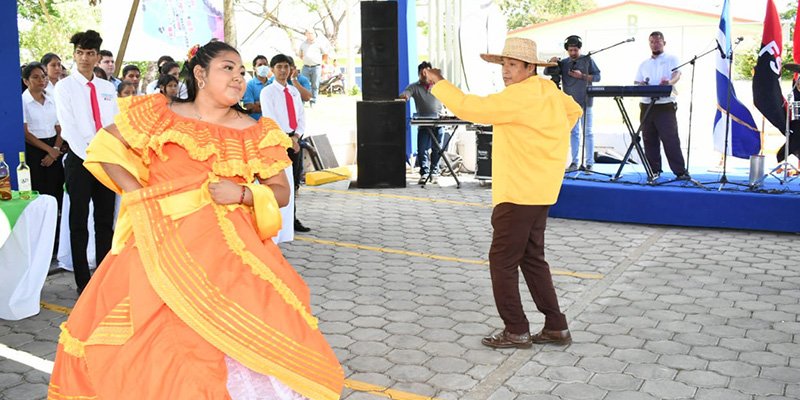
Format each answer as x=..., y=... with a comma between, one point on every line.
x=290, y=109
x=95, y=106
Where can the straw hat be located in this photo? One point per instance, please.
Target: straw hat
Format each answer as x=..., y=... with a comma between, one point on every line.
x=519, y=49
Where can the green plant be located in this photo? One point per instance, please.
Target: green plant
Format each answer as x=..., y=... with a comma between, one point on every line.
x=354, y=91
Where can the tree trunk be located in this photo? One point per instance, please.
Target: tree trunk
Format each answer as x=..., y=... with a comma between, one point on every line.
x=230, y=24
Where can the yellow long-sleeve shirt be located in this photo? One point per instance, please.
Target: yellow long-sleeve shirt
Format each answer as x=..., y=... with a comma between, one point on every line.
x=532, y=120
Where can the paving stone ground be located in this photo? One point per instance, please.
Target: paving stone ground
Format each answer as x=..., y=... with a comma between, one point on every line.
x=678, y=313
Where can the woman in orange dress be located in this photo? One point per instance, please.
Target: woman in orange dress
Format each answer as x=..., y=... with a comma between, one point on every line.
x=194, y=301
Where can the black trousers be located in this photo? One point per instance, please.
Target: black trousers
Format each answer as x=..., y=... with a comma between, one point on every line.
x=45, y=180
x=297, y=172
x=661, y=126
x=82, y=188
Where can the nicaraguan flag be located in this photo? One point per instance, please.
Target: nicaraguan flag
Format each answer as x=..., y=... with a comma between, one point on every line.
x=744, y=139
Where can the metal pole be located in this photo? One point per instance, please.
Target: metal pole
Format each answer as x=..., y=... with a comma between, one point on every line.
x=125, y=36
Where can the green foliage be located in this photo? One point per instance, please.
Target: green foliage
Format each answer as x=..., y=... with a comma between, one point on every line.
x=42, y=34
x=522, y=13
x=32, y=9
x=745, y=61
x=424, y=26
x=354, y=91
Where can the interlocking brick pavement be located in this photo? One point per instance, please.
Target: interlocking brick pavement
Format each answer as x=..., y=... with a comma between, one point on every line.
x=398, y=283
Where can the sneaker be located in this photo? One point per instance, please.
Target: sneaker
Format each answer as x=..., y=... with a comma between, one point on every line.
x=589, y=167
x=434, y=179
x=422, y=180
x=572, y=168
x=683, y=177
x=656, y=175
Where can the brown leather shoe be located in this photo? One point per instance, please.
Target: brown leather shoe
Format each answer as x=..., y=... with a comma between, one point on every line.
x=505, y=340
x=547, y=336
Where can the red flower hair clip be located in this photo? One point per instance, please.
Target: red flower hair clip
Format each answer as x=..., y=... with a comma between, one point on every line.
x=192, y=52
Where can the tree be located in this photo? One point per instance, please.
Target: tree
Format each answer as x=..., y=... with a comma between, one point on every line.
x=522, y=13
x=50, y=32
x=745, y=61
x=328, y=15
x=32, y=9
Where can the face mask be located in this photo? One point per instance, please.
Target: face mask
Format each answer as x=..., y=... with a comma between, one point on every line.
x=262, y=71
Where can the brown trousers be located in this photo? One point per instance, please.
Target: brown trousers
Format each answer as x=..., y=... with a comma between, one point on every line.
x=518, y=243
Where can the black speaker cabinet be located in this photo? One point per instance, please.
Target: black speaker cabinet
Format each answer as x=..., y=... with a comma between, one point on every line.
x=483, y=165
x=379, y=50
x=381, y=139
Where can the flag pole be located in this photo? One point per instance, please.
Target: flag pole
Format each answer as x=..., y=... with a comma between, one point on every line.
x=125, y=36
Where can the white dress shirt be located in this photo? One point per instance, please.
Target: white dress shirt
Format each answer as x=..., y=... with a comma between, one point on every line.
x=41, y=118
x=273, y=106
x=653, y=70
x=74, y=109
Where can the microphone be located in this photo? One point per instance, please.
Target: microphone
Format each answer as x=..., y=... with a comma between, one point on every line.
x=739, y=39
x=721, y=52
x=633, y=39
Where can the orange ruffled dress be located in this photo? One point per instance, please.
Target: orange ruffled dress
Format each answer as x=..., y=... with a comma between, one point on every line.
x=191, y=288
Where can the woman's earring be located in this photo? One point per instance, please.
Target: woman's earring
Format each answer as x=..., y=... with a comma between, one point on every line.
x=201, y=85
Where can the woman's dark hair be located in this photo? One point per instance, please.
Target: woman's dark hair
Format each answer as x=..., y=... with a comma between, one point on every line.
x=163, y=59
x=89, y=40
x=129, y=68
x=47, y=58
x=123, y=85
x=203, y=57
x=28, y=69
x=167, y=66
x=100, y=73
x=164, y=80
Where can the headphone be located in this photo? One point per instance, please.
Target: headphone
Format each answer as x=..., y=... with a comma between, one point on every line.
x=573, y=40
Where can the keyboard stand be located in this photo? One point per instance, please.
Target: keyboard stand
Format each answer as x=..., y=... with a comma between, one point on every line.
x=635, y=140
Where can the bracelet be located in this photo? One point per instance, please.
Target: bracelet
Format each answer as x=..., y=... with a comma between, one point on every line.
x=244, y=190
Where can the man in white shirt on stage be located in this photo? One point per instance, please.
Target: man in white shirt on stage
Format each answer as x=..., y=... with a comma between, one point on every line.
x=84, y=105
x=281, y=102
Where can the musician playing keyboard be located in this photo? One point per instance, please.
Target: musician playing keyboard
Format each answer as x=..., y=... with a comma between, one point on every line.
x=427, y=106
x=661, y=125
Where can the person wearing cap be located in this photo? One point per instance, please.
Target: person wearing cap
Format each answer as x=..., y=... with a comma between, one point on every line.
x=532, y=119
x=576, y=73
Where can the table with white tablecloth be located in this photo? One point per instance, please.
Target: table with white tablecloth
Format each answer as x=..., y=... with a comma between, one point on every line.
x=25, y=259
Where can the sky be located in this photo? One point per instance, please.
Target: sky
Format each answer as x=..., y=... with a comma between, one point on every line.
x=751, y=9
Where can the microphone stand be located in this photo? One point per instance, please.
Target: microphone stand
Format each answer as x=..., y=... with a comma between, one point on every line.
x=723, y=180
x=582, y=169
x=691, y=112
x=784, y=166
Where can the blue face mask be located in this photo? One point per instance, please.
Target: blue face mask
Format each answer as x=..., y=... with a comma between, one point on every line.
x=262, y=71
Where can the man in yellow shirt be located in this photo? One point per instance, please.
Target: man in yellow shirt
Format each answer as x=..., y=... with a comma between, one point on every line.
x=532, y=121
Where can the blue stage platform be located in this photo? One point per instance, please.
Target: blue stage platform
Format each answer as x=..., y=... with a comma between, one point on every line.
x=771, y=207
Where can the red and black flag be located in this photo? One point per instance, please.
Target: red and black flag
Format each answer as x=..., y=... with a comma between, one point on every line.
x=767, y=95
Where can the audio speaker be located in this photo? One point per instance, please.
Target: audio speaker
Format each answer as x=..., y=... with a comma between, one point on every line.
x=381, y=138
x=379, y=50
